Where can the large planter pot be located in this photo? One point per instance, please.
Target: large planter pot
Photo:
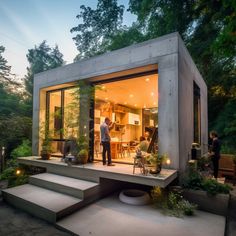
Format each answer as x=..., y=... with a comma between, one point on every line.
x=45, y=156
x=83, y=157
x=217, y=204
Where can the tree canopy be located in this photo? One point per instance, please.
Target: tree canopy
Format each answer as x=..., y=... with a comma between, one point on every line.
x=41, y=58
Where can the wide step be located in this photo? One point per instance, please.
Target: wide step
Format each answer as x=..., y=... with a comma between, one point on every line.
x=71, y=186
x=43, y=203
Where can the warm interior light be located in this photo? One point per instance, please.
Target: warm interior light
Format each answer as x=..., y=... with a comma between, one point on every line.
x=106, y=98
x=152, y=94
x=135, y=105
x=103, y=87
x=131, y=95
x=18, y=172
x=147, y=79
x=144, y=106
x=168, y=161
x=154, y=103
x=125, y=103
x=85, y=127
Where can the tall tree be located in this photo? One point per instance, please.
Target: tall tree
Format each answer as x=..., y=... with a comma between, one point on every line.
x=4, y=68
x=41, y=58
x=14, y=125
x=160, y=17
x=97, y=27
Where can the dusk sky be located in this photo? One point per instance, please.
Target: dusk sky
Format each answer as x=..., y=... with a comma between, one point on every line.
x=25, y=23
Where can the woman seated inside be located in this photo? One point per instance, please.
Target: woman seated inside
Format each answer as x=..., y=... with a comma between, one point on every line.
x=143, y=145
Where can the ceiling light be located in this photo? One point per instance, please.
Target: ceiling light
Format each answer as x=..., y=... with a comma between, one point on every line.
x=135, y=105
x=144, y=106
x=152, y=94
x=147, y=79
x=131, y=95
x=154, y=103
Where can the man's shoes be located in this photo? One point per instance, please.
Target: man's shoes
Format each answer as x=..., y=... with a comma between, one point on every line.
x=110, y=164
x=104, y=164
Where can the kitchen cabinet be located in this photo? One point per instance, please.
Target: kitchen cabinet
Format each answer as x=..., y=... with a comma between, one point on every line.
x=133, y=119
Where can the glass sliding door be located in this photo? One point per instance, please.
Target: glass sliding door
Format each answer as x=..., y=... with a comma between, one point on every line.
x=62, y=116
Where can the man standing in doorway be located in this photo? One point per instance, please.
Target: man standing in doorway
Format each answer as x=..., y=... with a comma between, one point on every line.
x=105, y=128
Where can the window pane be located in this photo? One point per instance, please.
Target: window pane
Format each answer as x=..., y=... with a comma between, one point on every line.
x=55, y=124
x=197, y=114
x=71, y=113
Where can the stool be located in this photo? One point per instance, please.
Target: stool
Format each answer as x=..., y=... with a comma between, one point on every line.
x=139, y=162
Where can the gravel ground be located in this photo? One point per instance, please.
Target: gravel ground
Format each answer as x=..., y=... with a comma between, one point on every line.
x=14, y=222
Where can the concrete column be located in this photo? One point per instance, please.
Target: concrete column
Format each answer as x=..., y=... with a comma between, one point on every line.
x=168, y=130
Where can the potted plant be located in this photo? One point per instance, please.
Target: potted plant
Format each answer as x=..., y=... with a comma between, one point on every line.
x=82, y=150
x=157, y=160
x=46, y=149
x=45, y=136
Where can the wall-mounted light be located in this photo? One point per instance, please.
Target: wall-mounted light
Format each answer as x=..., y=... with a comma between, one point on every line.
x=147, y=79
x=18, y=172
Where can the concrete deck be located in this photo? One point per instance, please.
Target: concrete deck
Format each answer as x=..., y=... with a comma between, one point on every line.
x=95, y=171
x=109, y=216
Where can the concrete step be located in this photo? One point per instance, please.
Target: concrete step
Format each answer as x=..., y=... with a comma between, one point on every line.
x=40, y=202
x=75, y=187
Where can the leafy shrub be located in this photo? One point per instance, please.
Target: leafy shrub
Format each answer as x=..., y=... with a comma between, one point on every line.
x=172, y=203
x=10, y=173
x=7, y=173
x=187, y=207
x=193, y=180
x=13, y=178
x=22, y=150
x=212, y=187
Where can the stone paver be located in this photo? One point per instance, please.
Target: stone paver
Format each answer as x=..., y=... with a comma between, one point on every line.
x=109, y=216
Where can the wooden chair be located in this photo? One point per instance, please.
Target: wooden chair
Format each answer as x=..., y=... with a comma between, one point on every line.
x=227, y=168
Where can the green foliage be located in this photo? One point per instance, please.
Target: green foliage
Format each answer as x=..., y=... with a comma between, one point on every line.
x=194, y=180
x=172, y=203
x=97, y=27
x=41, y=58
x=212, y=187
x=13, y=178
x=22, y=150
x=4, y=68
x=157, y=158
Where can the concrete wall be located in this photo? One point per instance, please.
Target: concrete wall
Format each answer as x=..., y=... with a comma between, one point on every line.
x=162, y=52
x=188, y=73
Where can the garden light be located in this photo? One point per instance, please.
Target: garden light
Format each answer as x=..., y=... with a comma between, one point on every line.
x=18, y=172
x=168, y=161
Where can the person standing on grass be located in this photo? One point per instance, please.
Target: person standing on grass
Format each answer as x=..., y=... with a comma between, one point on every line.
x=105, y=128
x=214, y=152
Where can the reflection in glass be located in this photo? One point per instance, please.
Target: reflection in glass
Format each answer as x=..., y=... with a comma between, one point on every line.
x=71, y=113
